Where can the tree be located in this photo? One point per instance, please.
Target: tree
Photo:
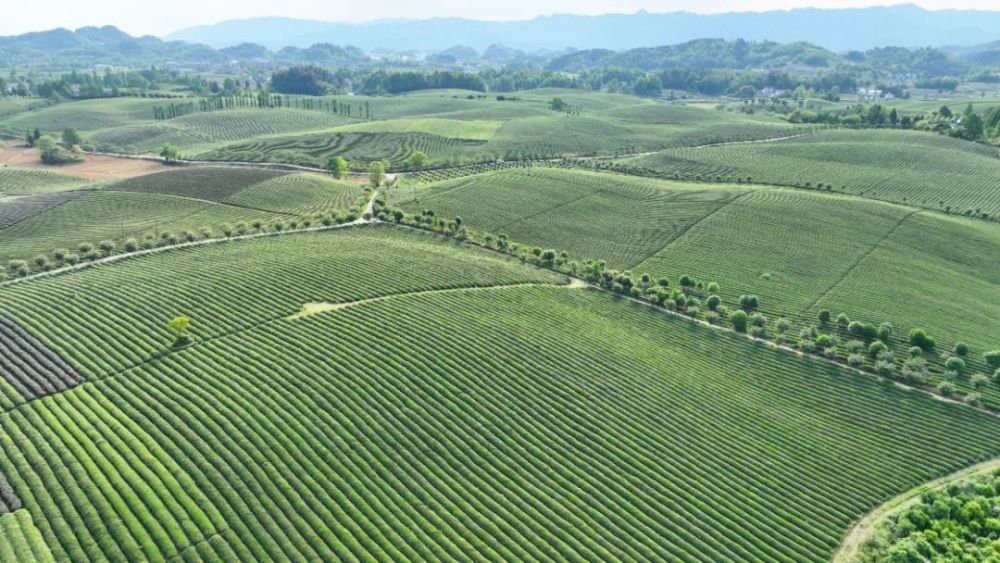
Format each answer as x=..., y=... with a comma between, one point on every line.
x=337, y=166
x=918, y=337
x=170, y=153
x=954, y=363
x=376, y=174
x=824, y=316
x=944, y=111
x=70, y=137
x=418, y=159
x=749, y=303
x=558, y=104
x=992, y=358
x=739, y=320
x=180, y=328
x=713, y=302
x=961, y=349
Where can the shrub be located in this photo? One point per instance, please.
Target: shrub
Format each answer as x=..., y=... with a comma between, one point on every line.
x=856, y=360
x=71, y=259
x=84, y=247
x=885, y=368
x=758, y=319
x=974, y=399
x=739, y=321
x=862, y=330
x=914, y=370
x=824, y=341
x=782, y=325
x=42, y=262
x=60, y=254
x=824, y=316
x=180, y=327
x=946, y=388
x=992, y=358
x=876, y=348
x=955, y=363
x=106, y=246
x=131, y=245
x=713, y=302
x=918, y=337
x=961, y=349
x=713, y=288
x=843, y=320
x=915, y=352
x=884, y=331
x=686, y=281
x=758, y=332
x=979, y=380
x=749, y=303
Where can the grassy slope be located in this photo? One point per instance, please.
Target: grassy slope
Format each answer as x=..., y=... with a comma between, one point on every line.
x=519, y=424
x=902, y=166
x=798, y=250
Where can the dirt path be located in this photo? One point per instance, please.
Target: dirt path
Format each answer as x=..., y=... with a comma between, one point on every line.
x=750, y=142
x=859, y=533
x=310, y=309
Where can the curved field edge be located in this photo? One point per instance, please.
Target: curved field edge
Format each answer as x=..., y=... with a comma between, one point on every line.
x=863, y=529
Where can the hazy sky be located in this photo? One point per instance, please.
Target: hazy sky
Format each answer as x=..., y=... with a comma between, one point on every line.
x=157, y=18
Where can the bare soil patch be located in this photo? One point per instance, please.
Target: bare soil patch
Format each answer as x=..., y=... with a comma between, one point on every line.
x=93, y=167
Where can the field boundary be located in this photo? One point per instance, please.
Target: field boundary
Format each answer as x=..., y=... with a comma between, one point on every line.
x=861, y=259
x=862, y=530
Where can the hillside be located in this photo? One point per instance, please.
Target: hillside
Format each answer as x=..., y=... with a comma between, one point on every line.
x=496, y=439
x=838, y=30
x=798, y=250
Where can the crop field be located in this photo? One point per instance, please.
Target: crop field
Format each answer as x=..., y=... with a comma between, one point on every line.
x=799, y=251
x=324, y=437
x=920, y=169
x=299, y=194
x=85, y=116
x=15, y=210
x=23, y=181
x=20, y=540
x=212, y=184
x=316, y=149
x=113, y=215
x=199, y=132
x=590, y=215
x=542, y=361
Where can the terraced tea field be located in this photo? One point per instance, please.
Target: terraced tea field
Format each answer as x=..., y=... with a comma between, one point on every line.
x=198, y=132
x=109, y=215
x=919, y=169
x=798, y=251
x=323, y=437
x=334, y=387
x=22, y=181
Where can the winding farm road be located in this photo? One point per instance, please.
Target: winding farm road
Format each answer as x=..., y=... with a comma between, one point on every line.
x=863, y=529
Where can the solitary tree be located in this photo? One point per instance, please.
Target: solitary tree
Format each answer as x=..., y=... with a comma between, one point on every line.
x=170, y=153
x=418, y=159
x=338, y=167
x=180, y=328
x=376, y=174
x=70, y=137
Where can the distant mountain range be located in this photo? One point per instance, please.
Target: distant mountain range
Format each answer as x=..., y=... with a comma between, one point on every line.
x=839, y=30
